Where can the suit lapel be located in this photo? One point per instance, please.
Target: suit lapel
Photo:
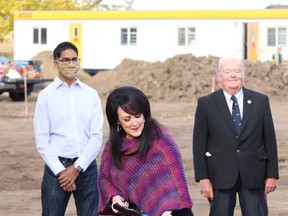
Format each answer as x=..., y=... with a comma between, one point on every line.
x=247, y=106
x=222, y=104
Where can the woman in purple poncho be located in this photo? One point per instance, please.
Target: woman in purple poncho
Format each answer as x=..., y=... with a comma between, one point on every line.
x=141, y=164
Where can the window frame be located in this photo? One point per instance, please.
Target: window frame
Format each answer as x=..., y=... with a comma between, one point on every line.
x=128, y=36
x=40, y=35
x=277, y=36
x=186, y=36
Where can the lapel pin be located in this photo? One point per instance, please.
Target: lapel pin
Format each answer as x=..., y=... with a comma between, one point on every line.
x=249, y=101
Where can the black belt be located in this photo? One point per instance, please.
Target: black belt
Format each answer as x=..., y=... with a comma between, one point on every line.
x=62, y=159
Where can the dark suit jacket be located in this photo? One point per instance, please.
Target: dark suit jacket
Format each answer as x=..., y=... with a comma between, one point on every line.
x=253, y=153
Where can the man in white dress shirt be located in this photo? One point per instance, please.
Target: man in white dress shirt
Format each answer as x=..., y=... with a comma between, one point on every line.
x=68, y=126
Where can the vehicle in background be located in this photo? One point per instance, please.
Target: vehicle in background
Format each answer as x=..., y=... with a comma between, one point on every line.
x=14, y=77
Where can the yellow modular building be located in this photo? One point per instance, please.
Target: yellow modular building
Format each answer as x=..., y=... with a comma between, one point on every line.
x=105, y=38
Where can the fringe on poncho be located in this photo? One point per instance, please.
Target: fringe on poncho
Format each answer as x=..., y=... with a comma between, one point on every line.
x=155, y=183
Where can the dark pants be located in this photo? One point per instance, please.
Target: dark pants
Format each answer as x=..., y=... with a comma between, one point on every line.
x=55, y=199
x=252, y=201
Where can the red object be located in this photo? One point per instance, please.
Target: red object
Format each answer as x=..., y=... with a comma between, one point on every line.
x=1, y=70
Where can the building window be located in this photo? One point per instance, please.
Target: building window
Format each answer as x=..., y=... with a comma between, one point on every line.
x=276, y=37
x=282, y=37
x=191, y=36
x=39, y=36
x=75, y=32
x=35, y=36
x=181, y=36
x=186, y=36
x=133, y=36
x=128, y=36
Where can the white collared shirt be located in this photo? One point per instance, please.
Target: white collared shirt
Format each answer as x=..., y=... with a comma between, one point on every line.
x=239, y=97
x=68, y=122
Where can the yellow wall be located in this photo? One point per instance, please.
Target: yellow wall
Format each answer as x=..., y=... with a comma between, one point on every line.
x=189, y=14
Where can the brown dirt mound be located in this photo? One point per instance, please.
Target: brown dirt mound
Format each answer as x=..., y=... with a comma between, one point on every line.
x=180, y=78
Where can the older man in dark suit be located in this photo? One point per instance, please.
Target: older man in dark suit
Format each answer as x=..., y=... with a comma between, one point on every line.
x=234, y=145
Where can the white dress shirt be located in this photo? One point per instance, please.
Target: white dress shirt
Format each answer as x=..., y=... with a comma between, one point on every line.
x=68, y=122
x=239, y=97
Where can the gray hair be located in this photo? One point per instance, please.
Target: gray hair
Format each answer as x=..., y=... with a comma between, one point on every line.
x=222, y=61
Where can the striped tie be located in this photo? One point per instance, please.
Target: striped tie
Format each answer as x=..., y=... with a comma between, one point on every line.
x=236, y=114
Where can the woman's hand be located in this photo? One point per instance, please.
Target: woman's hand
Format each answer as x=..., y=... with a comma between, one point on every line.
x=118, y=199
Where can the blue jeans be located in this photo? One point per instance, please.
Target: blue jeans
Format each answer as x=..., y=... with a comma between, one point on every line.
x=55, y=199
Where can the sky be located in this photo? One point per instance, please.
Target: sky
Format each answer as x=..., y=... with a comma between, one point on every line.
x=199, y=4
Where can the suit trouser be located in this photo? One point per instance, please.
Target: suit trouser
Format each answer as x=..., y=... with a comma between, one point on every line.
x=252, y=201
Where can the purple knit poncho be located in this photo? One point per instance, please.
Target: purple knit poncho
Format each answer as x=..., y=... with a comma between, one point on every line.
x=155, y=183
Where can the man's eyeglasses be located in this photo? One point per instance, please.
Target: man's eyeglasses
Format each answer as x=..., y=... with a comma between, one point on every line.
x=68, y=60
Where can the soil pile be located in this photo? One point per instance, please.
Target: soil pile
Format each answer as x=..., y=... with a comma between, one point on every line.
x=180, y=78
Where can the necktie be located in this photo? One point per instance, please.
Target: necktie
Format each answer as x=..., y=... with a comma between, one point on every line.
x=236, y=114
